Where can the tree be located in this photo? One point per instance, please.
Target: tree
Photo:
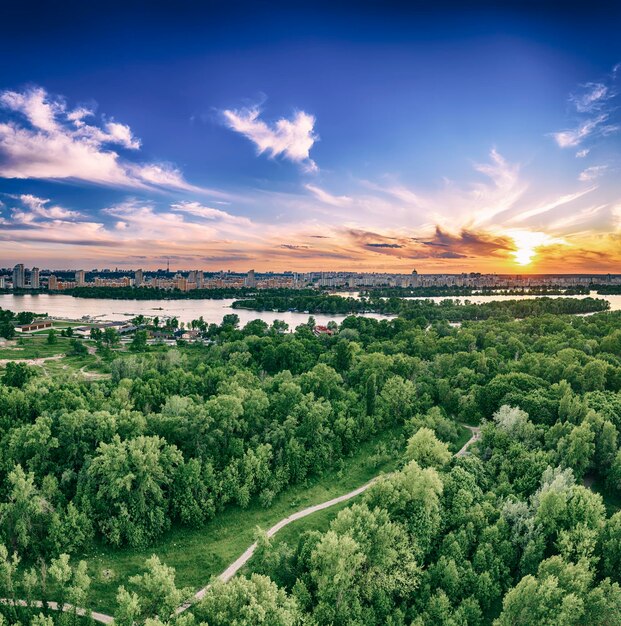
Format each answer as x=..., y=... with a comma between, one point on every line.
x=155, y=595
x=562, y=594
x=17, y=374
x=427, y=450
x=247, y=602
x=111, y=337
x=52, y=338
x=139, y=342
x=126, y=489
x=77, y=348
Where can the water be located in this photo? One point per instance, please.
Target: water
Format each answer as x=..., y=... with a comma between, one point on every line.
x=211, y=310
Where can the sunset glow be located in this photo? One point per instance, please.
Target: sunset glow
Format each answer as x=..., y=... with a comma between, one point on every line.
x=496, y=150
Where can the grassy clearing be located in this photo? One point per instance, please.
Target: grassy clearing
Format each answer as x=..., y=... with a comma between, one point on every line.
x=33, y=347
x=289, y=534
x=199, y=554
x=464, y=436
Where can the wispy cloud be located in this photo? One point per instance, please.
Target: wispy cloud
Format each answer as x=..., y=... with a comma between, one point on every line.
x=198, y=210
x=293, y=139
x=575, y=136
x=591, y=97
x=550, y=205
x=41, y=137
x=592, y=102
x=328, y=198
x=591, y=173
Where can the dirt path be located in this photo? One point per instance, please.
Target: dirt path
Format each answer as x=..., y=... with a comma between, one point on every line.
x=102, y=618
x=234, y=567
x=476, y=435
x=39, y=361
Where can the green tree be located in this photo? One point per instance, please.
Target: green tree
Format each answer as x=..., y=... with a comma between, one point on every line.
x=427, y=450
x=139, y=342
x=17, y=374
x=247, y=602
x=127, y=486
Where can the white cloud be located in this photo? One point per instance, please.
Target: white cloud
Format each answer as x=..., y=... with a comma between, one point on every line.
x=591, y=173
x=328, y=198
x=582, y=153
x=548, y=206
x=292, y=139
x=574, y=137
x=198, y=210
x=38, y=207
x=592, y=98
x=41, y=138
x=35, y=105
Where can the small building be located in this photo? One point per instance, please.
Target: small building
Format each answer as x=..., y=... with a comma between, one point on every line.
x=322, y=330
x=33, y=326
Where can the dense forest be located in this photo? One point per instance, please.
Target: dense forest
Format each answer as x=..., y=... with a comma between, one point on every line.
x=515, y=533
x=452, y=291
x=450, y=310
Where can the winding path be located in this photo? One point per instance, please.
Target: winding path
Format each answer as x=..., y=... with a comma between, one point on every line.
x=234, y=567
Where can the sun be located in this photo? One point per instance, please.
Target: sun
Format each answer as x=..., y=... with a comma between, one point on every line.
x=526, y=244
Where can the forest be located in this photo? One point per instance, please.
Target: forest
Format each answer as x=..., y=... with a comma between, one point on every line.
x=524, y=529
x=450, y=310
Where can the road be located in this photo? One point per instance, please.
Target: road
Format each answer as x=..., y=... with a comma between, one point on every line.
x=234, y=567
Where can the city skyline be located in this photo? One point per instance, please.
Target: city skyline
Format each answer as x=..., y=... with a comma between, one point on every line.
x=374, y=139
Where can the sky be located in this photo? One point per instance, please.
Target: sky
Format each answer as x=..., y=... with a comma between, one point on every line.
x=367, y=136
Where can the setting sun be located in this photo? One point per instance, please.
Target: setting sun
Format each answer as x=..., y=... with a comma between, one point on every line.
x=527, y=243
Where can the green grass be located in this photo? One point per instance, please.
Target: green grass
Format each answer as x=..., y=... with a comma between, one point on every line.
x=199, y=554
x=289, y=534
x=464, y=436
x=33, y=347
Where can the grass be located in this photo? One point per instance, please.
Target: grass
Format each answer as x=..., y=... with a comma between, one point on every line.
x=464, y=436
x=198, y=554
x=33, y=347
x=289, y=534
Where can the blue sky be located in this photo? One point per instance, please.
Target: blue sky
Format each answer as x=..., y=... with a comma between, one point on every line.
x=366, y=136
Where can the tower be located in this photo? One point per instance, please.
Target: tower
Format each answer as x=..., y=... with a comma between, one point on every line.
x=34, y=278
x=19, y=276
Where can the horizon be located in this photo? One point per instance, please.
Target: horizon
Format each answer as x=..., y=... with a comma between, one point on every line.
x=360, y=138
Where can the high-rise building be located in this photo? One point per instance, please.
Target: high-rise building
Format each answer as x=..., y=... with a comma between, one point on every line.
x=19, y=281
x=200, y=279
x=80, y=278
x=34, y=278
x=138, y=278
x=251, y=280
x=2, y=284
x=52, y=283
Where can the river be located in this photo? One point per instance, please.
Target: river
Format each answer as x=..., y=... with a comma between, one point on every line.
x=68, y=307
x=187, y=310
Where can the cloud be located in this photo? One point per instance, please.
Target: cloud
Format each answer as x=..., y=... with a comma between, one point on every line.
x=383, y=245
x=592, y=97
x=328, y=198
x=548, y=206
x=575, y=136
x=591, y=173
x=40, y=137
x=37, y=207
x=198, y=210
x=592, y=101
x=293, y=139
x=582, y=153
